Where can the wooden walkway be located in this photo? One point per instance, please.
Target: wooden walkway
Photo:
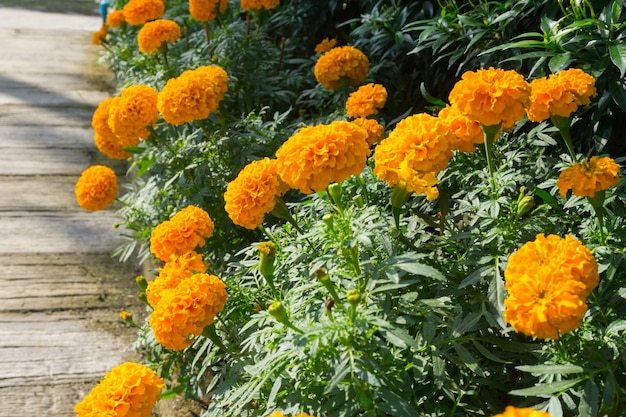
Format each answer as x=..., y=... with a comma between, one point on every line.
x=60, y=290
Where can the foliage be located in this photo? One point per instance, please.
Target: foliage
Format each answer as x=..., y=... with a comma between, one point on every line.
x=373, y=308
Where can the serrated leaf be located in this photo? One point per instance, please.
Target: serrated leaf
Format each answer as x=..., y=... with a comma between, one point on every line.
x=468, y=359
x=547, y=389
x=472, y=278
x=551, y=369
x=617, y=52
x=616, y=327
x=559, y=62
x=588, y=406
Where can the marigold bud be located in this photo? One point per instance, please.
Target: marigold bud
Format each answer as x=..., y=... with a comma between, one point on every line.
x=141, y=282
x=278, y=311
x=354, y=297
x=266, y=262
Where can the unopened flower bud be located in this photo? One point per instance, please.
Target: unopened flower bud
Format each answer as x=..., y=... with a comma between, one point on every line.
x=322, y=275
x=358, y=200
x=354, y=297
x=336, y=193
x=525, y=205
x=141, y=283
x=278, y=311
x=400, y=195
x=267, y=251
x=329, y=220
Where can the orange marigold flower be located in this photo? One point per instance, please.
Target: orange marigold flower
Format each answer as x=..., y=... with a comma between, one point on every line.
x=99, y=36
x=341, y=62
x=259, y=4
x=280, y=414
x=96, y=188
x=133, y=111
x=511, y=411
x=467, y=132
x=128, y=390
x=418, y=148
x=138, y=12
x=366, y=100
x=194, y=95
x=589, y=177
x=174, y=272
x=547, y=281
x=157, y=33
x=317, y=156
x=186, y=230
x=252, y=194
x=106, y=141
x=560, y=94
x=187, y=309
x=325, y=45
x=492, y=96
x=375, y=131
x=206, y=10
x=115, y=18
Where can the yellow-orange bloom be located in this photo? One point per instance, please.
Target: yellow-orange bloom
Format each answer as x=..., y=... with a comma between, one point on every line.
x=341, y=62
x=132, y=112
x=96, y=188
x=115, y=18
x=547, y=281
x=187, y=309
x=174, y=272
x=511, y=411
x=280, y=414
x=415, y=150
x=194, y=95
x=206, y=10
x=106, y=141
x=185, y=231
x=317, y=156
x=138, y=12
x=259, y=4
x=492, y=96
x=467, y=132
x=325, y=45
x=366, y=100
x=375, y=131
x=99, y=36
x=156, y=33
x=560, y=94
x=252, y=194
x=128, y=390
x=589, y=177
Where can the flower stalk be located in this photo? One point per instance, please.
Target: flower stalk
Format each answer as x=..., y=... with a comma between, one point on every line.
x=564, y=126
x=491, y=133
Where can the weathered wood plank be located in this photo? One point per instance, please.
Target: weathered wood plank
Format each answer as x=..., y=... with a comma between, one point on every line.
x=24, y=115
x=45, y=193
x=50, y=161
x=78, y=233
x=26, y=137
x=46, y=400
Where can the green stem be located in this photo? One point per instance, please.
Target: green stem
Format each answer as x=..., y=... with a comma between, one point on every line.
x=207, y=33
x=210, y=333
x=282, y=212
x=491, y=132
x=564, y=125
x=597, y=202
x=159, y=140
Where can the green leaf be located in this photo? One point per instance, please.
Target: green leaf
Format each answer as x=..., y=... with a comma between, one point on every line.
x=411, y=265
x=588, y=406
x=559, y=62
x=473, y=278
x=616, y=327
x=394, y=405
x=618, y=94
x=468, y=359
x=551, y=369
x=617, y=52
x=431, y=99
x=173, y=392
x=547, y=389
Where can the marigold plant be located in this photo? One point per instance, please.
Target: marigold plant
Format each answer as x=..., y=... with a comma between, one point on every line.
x=511, y=411
x=375, y=131
x=128, y=390
x=115, y=18
x=560, y=94
x=157, y=33
x=341, y=62
x=317, y=156
x=415, y=150
x=187, y=309
x=99, y=35
x=138, y=12
x=252, y=194
x=547, y=281
x=206, y=10
x=106, y=141
x=588, y=177
x=492, y=96
x=133, y=111
x=248, y=5
x=194, y=95
x=467, y=132
x=325, y=45
x=367, y=100
x=185, y=231
x=172, y=273
x=96, y=188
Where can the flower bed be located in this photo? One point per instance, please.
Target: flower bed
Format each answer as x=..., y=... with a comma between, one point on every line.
x=333, y=239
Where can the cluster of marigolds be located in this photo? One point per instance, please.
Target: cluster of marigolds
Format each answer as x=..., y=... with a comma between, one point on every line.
x=547, y=280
